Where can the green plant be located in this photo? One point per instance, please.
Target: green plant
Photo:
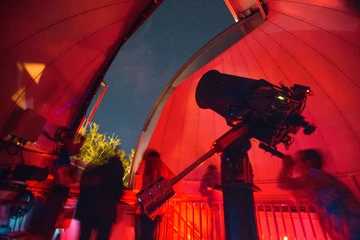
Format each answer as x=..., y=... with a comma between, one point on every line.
x=127, y=166
x=99, y=147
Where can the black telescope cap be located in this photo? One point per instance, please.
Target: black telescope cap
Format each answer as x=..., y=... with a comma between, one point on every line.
x=218, y=91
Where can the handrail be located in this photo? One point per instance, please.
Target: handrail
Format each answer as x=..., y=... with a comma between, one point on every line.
x=185, y=221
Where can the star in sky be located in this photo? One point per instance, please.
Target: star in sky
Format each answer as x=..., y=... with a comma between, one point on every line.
x=152, y=56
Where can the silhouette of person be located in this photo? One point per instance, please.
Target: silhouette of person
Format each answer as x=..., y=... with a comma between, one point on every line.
x=101, y=189
x=151, y=168
x=337, y=206
x=43, y=222
x=207, y=186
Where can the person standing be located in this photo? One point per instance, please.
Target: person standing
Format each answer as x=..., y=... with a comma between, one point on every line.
x=337, y=206
x=101, y=189
x=151, y=168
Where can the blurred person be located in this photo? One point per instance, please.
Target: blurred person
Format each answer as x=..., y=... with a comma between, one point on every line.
x=151, y=168
x=101, y=188
x=208, y=184
x=43, y=222
x=337, y=207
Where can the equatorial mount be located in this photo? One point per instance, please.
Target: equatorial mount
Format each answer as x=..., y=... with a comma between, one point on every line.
x=254, y=109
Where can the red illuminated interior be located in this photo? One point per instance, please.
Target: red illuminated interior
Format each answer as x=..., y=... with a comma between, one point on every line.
x=309, y=42
x=294, y=45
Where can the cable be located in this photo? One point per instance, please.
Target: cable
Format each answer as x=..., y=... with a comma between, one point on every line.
x=11, y=148
x=33, y=185
x=8, y=145
x=47, y=135
x=59, y=134
x=22, y=157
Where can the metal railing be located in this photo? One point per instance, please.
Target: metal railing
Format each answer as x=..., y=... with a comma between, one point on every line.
x=196, y=220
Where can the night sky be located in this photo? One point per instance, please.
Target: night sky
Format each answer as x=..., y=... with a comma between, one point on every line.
x=152, y=56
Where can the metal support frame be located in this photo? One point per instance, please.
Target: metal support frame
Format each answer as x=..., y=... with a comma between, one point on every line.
x=260, y=5
x=98, y=101
x=237, y=187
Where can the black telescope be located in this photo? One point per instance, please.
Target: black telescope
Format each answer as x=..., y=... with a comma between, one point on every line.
x=254, y=109
x=272, y=112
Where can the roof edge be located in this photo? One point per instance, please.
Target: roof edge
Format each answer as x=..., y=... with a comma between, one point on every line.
x=99, y=75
